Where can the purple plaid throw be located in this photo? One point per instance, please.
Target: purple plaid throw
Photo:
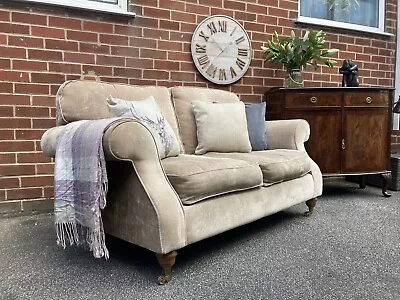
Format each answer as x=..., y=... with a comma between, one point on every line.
x=80, y=185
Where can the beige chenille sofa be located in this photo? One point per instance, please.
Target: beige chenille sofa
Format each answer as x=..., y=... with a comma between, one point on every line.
x=166, y=204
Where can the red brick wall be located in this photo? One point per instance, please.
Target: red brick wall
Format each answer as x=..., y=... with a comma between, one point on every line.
x=42, y=46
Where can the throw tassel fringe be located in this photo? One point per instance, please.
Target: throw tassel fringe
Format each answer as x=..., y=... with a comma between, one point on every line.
x=95, y=241
x=67, y=231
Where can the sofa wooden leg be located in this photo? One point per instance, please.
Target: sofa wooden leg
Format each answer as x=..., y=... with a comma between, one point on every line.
x=311, y=204
x=166, y=262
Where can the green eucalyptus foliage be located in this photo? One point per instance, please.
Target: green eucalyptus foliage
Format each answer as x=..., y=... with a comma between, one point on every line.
x=294, y=52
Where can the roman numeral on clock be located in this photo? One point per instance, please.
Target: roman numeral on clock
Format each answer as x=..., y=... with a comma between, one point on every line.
x=211, y=70
x=239, y=40
x=240, y=63
x=212, y=28
x=203, y=35
x=222, y=74
x=243, y=52
x=233, y=31
x=203, y=60
x=200, y=48
x=233, y=72
x=222, y=26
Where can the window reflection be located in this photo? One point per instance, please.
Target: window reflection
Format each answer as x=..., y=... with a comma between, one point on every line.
x=360, y=12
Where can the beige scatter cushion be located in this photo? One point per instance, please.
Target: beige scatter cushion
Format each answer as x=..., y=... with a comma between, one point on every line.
x=221, y=127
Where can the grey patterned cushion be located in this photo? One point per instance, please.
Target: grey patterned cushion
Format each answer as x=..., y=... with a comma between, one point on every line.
x=148, y=113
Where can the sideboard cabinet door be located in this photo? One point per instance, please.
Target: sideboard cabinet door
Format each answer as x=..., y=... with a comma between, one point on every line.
x=366, y=130
x=365, y=145
x=324, y=144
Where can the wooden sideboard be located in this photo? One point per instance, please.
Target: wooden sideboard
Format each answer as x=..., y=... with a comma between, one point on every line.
x=350, y=127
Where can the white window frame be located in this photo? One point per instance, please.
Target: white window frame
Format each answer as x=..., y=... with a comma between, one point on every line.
x=380, y=29
x=120, y=8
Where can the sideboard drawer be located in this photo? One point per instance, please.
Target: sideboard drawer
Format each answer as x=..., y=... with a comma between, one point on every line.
x=312, y=100
x=366, y=99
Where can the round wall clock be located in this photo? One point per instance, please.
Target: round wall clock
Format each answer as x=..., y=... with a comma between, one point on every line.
x=221, y=49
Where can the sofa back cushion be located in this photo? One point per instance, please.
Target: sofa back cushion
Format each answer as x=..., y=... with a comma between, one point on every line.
x=182, y=98
x=87, y=100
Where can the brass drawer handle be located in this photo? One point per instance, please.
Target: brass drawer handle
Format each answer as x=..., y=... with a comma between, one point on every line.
x=368, y=100
x=313, y=99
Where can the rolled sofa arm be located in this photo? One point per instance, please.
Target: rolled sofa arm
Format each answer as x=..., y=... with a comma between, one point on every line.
x=133, y=142
x=292, y=134
x=160, y=210
x=287, y=134
x=48, y=142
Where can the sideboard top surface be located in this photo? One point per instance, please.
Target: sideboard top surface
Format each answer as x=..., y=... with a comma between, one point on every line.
x=332, y=89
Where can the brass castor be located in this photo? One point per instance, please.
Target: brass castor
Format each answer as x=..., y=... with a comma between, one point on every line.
x=311, y=205
x=166, y=261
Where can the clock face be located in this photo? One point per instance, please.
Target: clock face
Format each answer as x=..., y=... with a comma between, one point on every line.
x=221, y=49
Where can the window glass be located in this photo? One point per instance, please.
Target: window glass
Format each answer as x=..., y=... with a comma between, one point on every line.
x=111, y=6
x=359, y=12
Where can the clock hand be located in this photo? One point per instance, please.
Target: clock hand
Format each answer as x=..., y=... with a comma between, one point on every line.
x=218, y=45
x=230, y=43
x=222, y=51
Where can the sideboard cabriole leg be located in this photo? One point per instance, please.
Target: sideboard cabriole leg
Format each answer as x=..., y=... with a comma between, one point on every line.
x=166, y=262
x=387, y=179
x=311, y=204
x=363, y=181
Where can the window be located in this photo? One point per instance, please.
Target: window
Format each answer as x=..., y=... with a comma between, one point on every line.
x=109, y=6
x=365, y=15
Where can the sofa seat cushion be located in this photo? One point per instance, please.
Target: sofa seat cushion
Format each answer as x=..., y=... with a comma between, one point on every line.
x=276, y=165
x=196, y=178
